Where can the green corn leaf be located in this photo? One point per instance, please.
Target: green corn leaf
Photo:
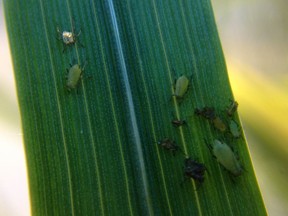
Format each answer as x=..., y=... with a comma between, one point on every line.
x=93, y=151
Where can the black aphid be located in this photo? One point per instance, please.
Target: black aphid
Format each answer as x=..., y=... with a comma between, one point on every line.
x=195, y=170
x=169, y=145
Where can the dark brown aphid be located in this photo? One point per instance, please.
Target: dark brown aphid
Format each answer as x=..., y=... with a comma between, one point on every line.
x=209, y=114
x=194, y=169
x=178, y=123
x=169, y=145
x=232, y=108
x=206, y=112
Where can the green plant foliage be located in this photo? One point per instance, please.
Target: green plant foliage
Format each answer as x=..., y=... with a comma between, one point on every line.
x=93, y=151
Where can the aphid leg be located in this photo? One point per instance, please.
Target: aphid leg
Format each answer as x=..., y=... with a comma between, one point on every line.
x=64, y=48
x=175, y=79
x=77, y=35
x=183, y=152
x=73, y=26
x=59, y=33
x=68, y=89
x=190, y=80
x=78, y=87
x=85, y=63
x=208, y=145
x=67, y=72
x=80, y=44
x=232, y=178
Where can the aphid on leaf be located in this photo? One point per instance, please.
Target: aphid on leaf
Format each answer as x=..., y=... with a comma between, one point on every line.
x=169, y=145
x=232, y=108
x=74, y=75
x=219, y=124
x=194, y=169
x=226, y=157
x=180, y=87
x=68, y=38
x=209, y=114
x=206, y=112
x=178, y=123
x=234, y=129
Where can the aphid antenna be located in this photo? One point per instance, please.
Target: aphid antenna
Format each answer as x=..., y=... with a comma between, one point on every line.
x=85, y=63
x=233, y=101
x=57, y=26
x=73, y=25
x=64, y=49
x=80, y=42
x=208, y=145
x=58, y=29
x=78, y=33
x=74, y=61
x=180, y=149
x=231, y=177
x=197, y=186
x=222, y=139
x=58, y=33
x=174, y=71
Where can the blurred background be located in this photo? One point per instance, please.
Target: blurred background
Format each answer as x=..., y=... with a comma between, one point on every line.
x=254, y=36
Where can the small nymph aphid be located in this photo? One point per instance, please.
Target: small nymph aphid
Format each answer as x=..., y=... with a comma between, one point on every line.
x=169, y=145
x=74, y=74
x=206, y=112
x=232, y=108
x=68, y=37
x=234, y=129
x=219, y=124
x=180, y=87
x=209, y=114
x=195, y=170
x=226, y=157
x=178, y=123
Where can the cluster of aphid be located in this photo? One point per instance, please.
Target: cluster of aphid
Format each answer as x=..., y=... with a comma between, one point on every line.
x=220, y=150
x=74, y=73
x=209, y=113
x=192, y=168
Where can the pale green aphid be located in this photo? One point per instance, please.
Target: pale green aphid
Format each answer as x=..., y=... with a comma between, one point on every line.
x=226, y=157
x=234, y=129
x=181, y=87
x=74, y=75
